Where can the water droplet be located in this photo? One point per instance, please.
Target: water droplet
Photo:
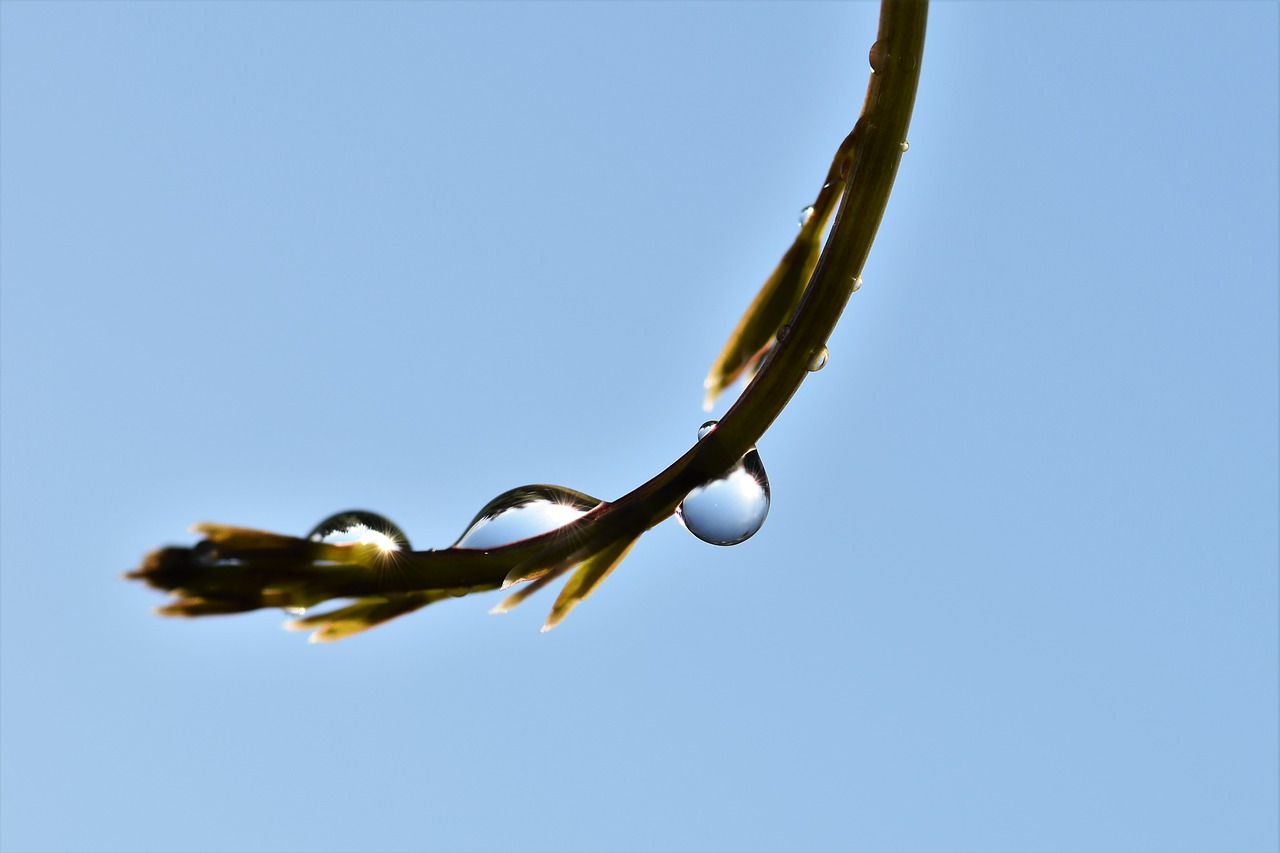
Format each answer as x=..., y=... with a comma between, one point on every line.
x=905, y=145
x=819, y=360
x=205, y=553
x=295, y=611
x=523, y=512
x=358, y=525
x=857, y=284
x=732, y=507
x=879, y=52
x=783, y=331
x=806, y=213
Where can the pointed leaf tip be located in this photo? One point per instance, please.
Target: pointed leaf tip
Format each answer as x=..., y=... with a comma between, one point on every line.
x=585, y=580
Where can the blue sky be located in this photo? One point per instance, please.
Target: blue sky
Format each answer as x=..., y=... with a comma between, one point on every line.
x=1017, y=590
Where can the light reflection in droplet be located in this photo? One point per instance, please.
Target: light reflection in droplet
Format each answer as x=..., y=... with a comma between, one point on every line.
x=360, y=526
x=732, y=507
x=524, y=512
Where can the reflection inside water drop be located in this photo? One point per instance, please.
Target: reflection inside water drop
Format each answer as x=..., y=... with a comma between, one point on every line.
x=360, y=526
x=732, y=507
x=523, y=512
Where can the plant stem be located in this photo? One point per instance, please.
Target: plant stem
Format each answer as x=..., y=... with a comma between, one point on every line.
x=263, y=567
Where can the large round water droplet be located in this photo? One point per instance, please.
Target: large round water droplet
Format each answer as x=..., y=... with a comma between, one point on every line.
x=905, y=145
x=731, y=508
x=358, y=525
x=705, y=428
x=819, y=360
x=524, y=512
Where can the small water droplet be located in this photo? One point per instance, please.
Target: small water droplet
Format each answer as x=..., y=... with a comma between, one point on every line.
x=905, y=145
x=358, y=525
x=857, y=284
x=205, y=553
x=783, y=331
x=806, y=213
x=524, y=512
x=819, y=360
x=732, y=507
x=879, y=52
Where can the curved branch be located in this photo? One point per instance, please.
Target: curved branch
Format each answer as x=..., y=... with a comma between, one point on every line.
x=238, y=569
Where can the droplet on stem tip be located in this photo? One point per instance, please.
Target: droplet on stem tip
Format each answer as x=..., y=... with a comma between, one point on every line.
x=360, y=526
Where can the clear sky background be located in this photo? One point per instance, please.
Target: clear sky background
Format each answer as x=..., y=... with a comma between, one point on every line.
x=1018, y=589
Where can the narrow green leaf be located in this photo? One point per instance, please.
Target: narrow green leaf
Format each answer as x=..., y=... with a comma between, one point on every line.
x=362, y=615
x=586, y=579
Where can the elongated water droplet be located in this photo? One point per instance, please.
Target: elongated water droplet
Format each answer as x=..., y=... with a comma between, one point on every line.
x=905, y=145
x=806, y=214
x=857, y=284
x=523, y=512
x=732, y=507
x=359, y=525
x=819, y=360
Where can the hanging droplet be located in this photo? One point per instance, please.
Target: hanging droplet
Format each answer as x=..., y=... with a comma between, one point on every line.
x=523, y=512
x=806, y=213
x=857, y=284
x=819, y=360
x=732, y=507
x=362, y=526
x=905, y=145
